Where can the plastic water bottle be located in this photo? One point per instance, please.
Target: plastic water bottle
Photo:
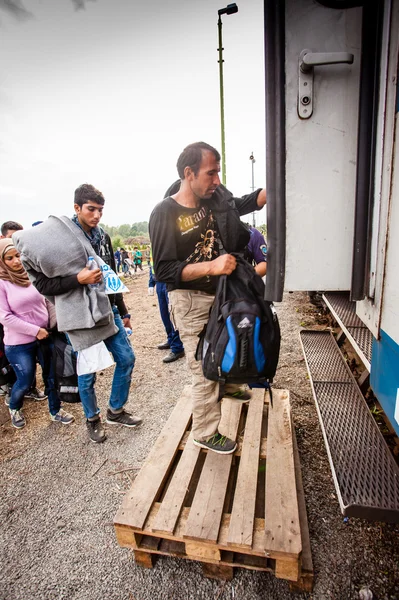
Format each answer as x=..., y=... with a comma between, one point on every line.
x=128, y=331
x=91, y=265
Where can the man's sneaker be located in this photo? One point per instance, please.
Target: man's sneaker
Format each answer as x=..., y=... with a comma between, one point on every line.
x=123, y=418
x=240, y=395
x=218, y=443
x=17, y=419
x=62, y=417
x=35, y=394
x=164, y=346
x=96, y=431
x=172, y=356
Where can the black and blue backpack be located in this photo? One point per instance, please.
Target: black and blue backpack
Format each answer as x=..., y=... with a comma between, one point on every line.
x=241, y=342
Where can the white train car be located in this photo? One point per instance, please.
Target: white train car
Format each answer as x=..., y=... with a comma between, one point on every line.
x=332, y=172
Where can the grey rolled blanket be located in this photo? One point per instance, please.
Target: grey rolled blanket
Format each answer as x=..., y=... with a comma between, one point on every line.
x=58, y=248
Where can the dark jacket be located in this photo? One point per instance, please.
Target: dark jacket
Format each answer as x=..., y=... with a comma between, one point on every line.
x=227, y=210
x=60, y=285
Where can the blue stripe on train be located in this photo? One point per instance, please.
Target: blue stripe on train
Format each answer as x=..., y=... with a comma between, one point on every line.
x=384, y=376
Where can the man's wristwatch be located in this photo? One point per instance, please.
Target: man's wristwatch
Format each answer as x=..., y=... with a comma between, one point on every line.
x=127, y=316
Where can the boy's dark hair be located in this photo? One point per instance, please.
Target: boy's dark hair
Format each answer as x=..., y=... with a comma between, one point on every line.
x=86, y=192
x=10, y=226
x=192, y=157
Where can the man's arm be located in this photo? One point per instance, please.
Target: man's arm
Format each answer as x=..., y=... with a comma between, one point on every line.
x=251, y=202
x=261, y=268
x=55, y=286
x=167, y=266
x=223, y=265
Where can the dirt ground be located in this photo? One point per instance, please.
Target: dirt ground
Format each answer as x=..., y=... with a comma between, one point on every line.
x=60, y=492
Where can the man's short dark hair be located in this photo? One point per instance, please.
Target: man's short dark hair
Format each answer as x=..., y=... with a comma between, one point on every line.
x=10, y=226
x=86, y=193
x=192, y=157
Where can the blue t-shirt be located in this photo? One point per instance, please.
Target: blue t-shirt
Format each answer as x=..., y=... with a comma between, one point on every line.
x=257, y=247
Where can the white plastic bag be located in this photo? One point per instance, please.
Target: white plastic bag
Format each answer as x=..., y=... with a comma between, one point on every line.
x=93, y=359
x=113, y=285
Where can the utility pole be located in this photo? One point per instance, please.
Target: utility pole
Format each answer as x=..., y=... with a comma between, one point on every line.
x=252, y=159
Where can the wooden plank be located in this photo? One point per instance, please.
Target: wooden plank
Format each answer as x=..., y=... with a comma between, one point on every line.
x=287, y=569
x=217, y=572
x=144, y=559
x=306, y=581
x=202, y=552
x=206, y=511
x=173, y=501
x=145, y=488
x=282, y=527
x=243, y=512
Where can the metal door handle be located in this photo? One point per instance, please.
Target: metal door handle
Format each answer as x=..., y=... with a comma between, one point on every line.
x=314, y=59
x=308, y=60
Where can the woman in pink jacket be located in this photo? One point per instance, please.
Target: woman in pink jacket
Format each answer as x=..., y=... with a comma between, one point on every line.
x=24, y=316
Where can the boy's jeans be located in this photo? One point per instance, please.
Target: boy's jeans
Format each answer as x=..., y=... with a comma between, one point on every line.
x=122, y=352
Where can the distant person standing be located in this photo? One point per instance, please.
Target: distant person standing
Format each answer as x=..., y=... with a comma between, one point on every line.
x=118, y=259
x=124, y=258
x=137, y=259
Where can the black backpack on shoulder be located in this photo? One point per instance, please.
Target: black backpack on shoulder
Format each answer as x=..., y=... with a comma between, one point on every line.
x=65, y=375
x=241, y=342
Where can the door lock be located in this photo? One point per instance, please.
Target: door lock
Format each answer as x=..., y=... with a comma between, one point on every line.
x=307, y=61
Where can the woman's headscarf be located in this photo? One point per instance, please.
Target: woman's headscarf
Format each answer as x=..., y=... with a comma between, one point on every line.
x=19, y=277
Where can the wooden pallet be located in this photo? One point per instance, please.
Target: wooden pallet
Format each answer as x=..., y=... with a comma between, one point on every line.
x=246, y=509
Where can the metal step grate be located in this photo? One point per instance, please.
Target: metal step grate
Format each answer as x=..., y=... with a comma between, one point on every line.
x=355, y=330
x=365, y=474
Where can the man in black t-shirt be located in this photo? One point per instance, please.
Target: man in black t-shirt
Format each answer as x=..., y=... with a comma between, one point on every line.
x=192, y=234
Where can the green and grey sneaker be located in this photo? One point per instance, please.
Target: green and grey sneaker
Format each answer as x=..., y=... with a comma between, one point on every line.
x=62, y=417
x=218, y=443
x=240, y=395
x=17, y=419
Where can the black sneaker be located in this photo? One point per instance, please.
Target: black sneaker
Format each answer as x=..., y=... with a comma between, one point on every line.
x=172, y=356
x=164, y=346
x=96, y=431
x=218, y=443
x=123, y=418
x=35, y=394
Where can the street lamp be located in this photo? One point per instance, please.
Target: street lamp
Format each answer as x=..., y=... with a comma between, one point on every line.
x=230, y=9
x=252, y=159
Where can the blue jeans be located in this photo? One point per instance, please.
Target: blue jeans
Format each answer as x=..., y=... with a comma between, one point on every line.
x=122, y=352
x=174, y=341
x=151, y=280
x=22, y=358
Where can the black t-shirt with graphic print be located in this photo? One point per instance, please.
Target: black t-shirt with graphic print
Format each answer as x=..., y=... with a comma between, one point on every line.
x=182, y=236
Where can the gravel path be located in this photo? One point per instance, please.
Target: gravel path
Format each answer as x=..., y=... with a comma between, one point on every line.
x=60, y=492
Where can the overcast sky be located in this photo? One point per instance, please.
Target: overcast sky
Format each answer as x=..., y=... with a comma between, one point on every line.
x=110, y=95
